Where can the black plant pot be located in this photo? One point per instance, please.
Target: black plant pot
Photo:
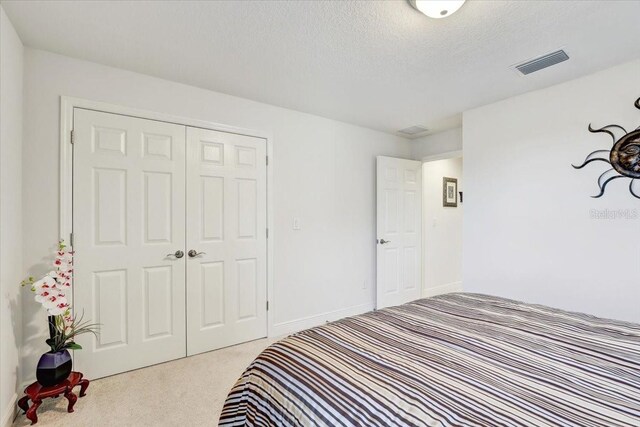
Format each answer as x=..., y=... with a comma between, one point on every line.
x=53, y=367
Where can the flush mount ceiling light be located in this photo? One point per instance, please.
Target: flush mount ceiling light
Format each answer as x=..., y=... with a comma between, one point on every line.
x=437, y=8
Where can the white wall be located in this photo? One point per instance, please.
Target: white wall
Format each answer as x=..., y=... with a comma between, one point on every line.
x=11, y=273
x=442, y=266
x=528, y=227
x=430, y=145
x=324, y=173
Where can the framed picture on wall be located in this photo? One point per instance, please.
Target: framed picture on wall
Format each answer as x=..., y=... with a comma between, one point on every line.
x=450, y=192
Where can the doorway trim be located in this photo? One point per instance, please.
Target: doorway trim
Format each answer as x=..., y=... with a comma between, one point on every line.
x=442, y=156
x=67, y=104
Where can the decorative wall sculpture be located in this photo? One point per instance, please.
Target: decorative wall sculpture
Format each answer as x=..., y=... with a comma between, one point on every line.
x=624, y=157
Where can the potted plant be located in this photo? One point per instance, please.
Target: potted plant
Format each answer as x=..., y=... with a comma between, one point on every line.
x=51, y=291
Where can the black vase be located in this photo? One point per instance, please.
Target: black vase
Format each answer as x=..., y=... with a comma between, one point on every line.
x=53, y=367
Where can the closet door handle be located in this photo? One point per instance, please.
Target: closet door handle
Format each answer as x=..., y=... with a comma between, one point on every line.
x=193, y=253
x=177, y=254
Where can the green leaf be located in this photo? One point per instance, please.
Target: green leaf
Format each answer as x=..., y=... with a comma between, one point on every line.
x=73, y=346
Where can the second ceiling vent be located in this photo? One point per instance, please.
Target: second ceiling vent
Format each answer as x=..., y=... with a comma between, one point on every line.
x=542, y=62
x=413, y=131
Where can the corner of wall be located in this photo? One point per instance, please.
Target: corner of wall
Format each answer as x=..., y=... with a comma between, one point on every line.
x=11, y=114
x=10, y=412
x=437, y=143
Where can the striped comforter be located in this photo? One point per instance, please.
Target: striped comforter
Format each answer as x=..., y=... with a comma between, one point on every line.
x=451, y=360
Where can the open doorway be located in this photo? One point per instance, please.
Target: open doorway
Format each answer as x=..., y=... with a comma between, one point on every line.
x=442, y=212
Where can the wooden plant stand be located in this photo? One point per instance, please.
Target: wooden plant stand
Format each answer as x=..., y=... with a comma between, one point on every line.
x=37, y=392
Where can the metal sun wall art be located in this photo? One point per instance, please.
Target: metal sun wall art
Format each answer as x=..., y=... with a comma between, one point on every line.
x=624, y=157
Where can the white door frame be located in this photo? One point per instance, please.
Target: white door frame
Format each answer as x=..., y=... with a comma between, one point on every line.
x=67, y=104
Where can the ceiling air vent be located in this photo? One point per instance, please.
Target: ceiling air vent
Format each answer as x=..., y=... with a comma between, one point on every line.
x=413, y=131
x=542, y=62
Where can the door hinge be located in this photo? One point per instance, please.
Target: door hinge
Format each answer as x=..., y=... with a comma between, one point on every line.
x=267, y=233
x=267, y=160
x=267, y=305
x=71, y=239
x=72, y=138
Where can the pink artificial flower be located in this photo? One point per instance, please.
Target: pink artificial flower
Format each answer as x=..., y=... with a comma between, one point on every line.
x=42, y=297
x=49, y=289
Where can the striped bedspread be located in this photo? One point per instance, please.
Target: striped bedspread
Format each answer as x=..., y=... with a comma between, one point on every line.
x=452, y=360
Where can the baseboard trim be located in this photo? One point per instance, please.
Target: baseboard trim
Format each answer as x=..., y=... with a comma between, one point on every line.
x=10, y=412
x=443, y=289
x=291, y=326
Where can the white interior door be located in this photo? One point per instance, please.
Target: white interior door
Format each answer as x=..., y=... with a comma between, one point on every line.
x=399, y=225
x=128, y=216
x=226, y=227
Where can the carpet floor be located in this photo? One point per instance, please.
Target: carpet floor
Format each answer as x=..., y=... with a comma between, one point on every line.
x=183, y=392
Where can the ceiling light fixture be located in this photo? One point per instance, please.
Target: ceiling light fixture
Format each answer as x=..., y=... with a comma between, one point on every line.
x=437, y=8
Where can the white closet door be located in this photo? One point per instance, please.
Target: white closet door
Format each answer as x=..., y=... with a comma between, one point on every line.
x=226, y=226
x=399, y=229
x=128, y=220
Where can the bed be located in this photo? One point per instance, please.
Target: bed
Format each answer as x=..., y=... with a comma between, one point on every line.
x=452, y=360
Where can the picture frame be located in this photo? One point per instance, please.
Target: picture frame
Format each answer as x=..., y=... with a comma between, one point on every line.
x=450, y=192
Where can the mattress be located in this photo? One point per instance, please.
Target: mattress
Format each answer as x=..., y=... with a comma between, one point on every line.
x=452, y=360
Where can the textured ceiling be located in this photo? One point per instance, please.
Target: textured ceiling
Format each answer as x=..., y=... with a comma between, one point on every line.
x=379, y=64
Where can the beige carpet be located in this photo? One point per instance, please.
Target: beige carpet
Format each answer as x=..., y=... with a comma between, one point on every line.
x=184, y=392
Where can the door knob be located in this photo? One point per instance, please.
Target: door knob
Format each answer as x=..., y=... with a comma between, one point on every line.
x=193, y=253
x=177, y=254
x=382, y=241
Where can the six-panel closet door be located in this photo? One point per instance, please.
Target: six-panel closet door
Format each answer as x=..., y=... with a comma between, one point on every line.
x=128, y=223
x=226, y=238
x=169, y=227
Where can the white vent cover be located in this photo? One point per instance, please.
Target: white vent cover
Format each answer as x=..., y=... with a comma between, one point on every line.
x=542, y=62
x=413, y=130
